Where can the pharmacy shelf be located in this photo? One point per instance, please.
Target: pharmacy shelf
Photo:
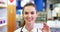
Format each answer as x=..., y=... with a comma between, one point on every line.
x=2, y=7
x=2, y=25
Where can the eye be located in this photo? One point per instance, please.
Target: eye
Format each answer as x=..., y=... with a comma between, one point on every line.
x=26, y=12
x=32, y=12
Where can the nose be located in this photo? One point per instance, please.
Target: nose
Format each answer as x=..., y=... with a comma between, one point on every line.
x=29, y=15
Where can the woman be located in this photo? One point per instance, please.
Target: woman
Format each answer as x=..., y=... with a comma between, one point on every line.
x=29, y=16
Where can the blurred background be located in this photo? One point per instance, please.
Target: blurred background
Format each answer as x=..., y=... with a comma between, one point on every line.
x=48, y=11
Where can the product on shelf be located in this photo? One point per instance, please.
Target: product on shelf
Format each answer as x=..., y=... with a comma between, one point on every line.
x=2, y=21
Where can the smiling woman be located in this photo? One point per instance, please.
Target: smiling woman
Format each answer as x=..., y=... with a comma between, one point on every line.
x=29, y=16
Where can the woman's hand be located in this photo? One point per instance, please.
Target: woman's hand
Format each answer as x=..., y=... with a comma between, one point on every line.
x=45, y=28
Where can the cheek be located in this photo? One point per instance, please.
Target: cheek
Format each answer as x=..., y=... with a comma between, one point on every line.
x=25, y=16
x=34, y=16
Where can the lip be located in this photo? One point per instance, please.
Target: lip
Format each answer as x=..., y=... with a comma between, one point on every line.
x=29, y=19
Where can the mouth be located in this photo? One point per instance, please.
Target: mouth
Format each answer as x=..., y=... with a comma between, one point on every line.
x=29, y=19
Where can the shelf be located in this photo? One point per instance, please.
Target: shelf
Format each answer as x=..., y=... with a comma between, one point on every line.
x=2, y=7
x=2, y=25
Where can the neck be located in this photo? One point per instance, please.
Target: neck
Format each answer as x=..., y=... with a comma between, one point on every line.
x=29, y=27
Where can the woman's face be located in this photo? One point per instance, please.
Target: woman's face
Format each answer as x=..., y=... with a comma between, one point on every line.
x=29, y=14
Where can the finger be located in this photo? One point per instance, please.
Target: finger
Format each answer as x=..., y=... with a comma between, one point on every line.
x=45, y=25
x=45, y=30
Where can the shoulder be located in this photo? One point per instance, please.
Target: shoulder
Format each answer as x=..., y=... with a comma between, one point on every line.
x=18, y=30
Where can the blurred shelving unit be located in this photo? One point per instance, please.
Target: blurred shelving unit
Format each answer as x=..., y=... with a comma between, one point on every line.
x=41, y=17
x=3, y=6
x=2, y=25
x=3, y=15
x=3, y=19
x=3, y=22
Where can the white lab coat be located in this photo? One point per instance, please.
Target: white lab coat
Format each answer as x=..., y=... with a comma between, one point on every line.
x=25, y=30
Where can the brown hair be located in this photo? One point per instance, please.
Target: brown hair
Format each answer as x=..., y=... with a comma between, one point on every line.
x=29, y=4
